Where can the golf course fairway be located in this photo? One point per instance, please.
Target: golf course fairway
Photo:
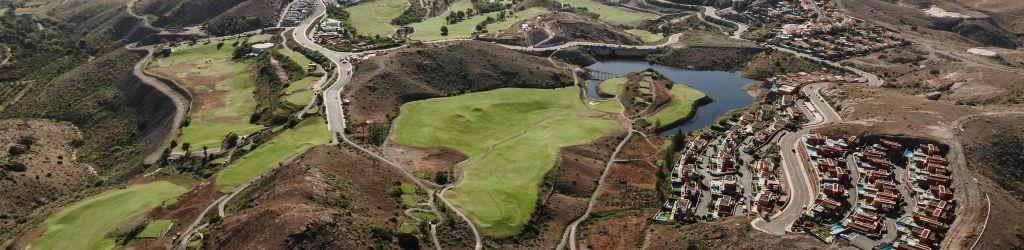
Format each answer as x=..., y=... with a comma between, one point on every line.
x=84, y=225
x=682, y=104
x=221, y=88
x=511, y=137
x=306, y=134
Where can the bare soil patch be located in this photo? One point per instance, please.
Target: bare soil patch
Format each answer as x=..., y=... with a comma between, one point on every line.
x=428, y=161
x=730, y=233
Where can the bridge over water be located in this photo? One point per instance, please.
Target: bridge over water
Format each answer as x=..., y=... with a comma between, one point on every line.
x=598, y=75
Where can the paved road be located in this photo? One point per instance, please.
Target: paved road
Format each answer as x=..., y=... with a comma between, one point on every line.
x=180, y=104
x=336, y=115
x=801, y=192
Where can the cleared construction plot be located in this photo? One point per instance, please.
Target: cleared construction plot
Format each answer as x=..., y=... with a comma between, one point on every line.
x=511, y=137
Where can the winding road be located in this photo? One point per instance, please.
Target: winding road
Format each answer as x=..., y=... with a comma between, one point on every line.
x=181, y=106
x=794, y=166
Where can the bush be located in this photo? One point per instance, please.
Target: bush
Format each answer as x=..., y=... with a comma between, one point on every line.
x=15, y=166
x=16, y=150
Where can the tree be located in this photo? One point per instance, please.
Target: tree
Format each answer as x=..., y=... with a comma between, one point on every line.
x=230, y=140
x=678, y=140
x=444, y=30
x=186, y=146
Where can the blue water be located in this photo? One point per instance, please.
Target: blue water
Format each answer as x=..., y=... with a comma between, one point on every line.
x=724, y=87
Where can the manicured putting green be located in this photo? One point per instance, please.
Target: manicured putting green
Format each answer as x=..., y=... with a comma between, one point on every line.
x=430, y=29
x=221, y=87
x=373, y=18
x=511, y=137
x=306, y=134
x=611, y=14
x=683, y=98
x=156, y=229
x=84, y=225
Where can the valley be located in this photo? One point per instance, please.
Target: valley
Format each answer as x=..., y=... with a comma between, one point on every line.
x=511, y=124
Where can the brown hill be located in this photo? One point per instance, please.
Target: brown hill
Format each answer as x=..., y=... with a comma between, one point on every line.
x=220, y=17
x=37, y=165
x=329, y=198
x=384, y=82
x=565, y=27
x=121, y=119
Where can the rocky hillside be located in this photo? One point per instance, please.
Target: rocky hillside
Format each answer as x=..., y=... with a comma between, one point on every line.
x=219, y=17
x=565, y=27
x=386, y=81
x=329, y=198
x=121, y=119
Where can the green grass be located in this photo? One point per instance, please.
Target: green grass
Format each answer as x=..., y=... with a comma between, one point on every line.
x=301, y=98
x=430, y=29
x=406, y=228
x=84, y=225
x=296, y=57
x=408, y=188
x=306, y=134
x=610, y=14
x=608, y=106
x=511, y=137
x=372, y=18
x=301, y=84
x=156, y=229
x=613, y=86
x=680, y=107
x=222, y=88
x=646, y=36
x=408, y=192
x=261, y=38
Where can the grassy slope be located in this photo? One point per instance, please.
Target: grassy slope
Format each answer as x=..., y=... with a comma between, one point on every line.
x=306, y=134
x=430, y=29
x=683, y=98
x=646, y=36
x=612, y=86
x=209, y=125
x=85, y=224
x=374, y=17
x=610, y=14
x=500, y=188
x=156, y=228
x=296, y=57
x=301, y=98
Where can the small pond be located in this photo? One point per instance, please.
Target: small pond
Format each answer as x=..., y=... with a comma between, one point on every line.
x=724, y=87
